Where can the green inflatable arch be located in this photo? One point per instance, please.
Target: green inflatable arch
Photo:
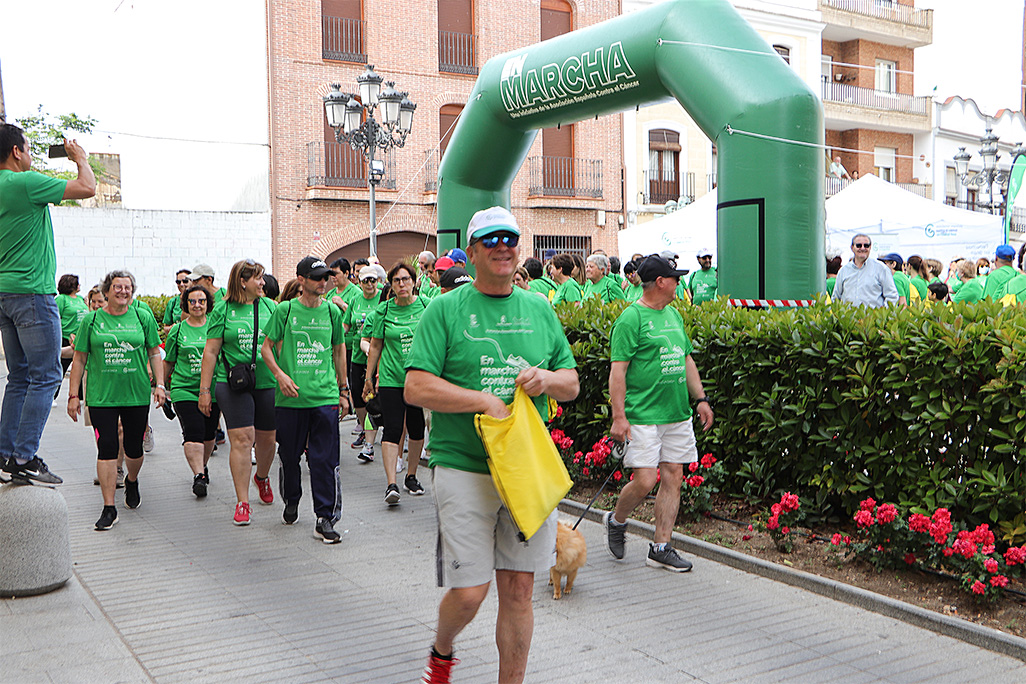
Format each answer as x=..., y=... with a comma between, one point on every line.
x=767, y=125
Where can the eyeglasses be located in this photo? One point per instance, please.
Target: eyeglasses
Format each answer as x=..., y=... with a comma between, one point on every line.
x=369, y=280
x=198, y=301
x=492, y=241
x=183, y=282
x=862, y=245
x=121, y=288
x=402, y=280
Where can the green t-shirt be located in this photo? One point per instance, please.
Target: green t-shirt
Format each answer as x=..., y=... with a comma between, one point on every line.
x=544, y=286
x=997, y=282
x=569, y=291
x=356, y=318
x=118, y=349
x=954, y=283
x=28, y=263
x=971, y=291
x=232, y=323
x=919, y=282
x=633, y=292
x=656, y=346
x=308, y=337
x=184, y=349
x=702, y=285
x=394, y=325
x=72, y=310
x=143, y=307
x=903, y=285
x=481, y=343
x=831, y=281
x=173, y=310
x=1017, y=287
x=606, y=288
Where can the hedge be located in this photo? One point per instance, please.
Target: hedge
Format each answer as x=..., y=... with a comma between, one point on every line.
x=921, y=407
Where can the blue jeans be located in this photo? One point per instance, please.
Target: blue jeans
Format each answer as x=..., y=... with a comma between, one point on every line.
x=31, y=330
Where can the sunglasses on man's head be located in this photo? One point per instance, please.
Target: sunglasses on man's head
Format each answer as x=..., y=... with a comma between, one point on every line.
x=492, y=241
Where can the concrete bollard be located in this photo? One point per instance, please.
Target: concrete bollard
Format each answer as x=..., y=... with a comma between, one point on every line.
x=35, y=554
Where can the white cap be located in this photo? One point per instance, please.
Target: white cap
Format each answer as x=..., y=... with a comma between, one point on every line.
x=705, y=251
x=491, y=220
x=368, y=272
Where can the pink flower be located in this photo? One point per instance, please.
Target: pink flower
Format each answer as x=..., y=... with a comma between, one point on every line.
x=790, y=502
x=577, y=459
x=886, y=513
x=982, y=535
x=987, y=550
x=868, y=504
x=918, y=523
x=910, y=558
x=617, y=476
x=1015, y=555
x=979, y=587
x=836, y=539
x=751, y=528
x=785, y=530
x=708, y=461
x=991, y=565
x=863, y=518
x=693, y=466
x=773, y=523
x=999, y=581
x=559, y=411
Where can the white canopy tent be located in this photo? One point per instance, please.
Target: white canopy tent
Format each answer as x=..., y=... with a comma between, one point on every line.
x=900, y=221
x=683, y=232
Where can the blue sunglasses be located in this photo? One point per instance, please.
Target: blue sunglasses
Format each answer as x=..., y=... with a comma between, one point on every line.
x=493, y=241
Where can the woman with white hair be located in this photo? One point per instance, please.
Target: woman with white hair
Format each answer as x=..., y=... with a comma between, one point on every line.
x=596, y=268
x=114, y=344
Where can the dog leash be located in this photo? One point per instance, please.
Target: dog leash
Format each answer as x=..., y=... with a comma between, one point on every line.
x=619, y=448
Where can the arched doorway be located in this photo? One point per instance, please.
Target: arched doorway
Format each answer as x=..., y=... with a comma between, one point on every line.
x=391, y=247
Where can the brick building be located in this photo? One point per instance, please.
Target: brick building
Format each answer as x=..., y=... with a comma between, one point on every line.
x=319, y=198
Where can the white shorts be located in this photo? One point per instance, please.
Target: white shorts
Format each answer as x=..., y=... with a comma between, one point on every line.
x=654, y=444
x=477, y=536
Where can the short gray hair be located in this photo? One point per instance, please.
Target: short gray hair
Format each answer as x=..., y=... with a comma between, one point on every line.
x=428, y=254
x=601, y=261
x=108, y=280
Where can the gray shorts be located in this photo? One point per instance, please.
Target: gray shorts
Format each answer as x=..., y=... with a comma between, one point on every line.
x=477, y=536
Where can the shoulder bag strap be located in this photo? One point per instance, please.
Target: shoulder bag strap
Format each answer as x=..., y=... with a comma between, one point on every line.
x=256, y=328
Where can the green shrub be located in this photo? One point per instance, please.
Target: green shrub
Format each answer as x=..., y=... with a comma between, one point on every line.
x=923, y=407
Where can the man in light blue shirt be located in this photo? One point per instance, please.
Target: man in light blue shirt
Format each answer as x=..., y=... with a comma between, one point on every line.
x=863, y=280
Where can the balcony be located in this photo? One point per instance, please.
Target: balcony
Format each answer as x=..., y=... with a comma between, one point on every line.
x=342, y=39
x=846, y=106
x=431, y=158
x=661, y=187
x=881, y=21
x=457, y=53
x=337, y=165
x=565, y=177
x=832, y=186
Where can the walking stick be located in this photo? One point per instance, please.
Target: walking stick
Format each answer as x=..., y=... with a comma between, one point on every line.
x=619, y=448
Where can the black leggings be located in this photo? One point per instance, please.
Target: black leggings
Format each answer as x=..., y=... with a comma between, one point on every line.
x=394, y=410
x=133, y=425
x=196, y=427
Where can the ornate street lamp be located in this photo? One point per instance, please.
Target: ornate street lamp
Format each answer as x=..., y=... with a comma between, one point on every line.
x=990, y=174
x=354, y=123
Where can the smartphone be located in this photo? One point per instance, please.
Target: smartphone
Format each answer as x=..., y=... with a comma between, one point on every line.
x=58, y=151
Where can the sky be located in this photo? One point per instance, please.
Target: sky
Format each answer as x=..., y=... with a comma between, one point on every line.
x=192, y=70
x=184, y=70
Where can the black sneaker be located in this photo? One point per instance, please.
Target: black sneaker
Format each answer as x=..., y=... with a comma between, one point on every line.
x=108, y=518
x=199, y=486
x=33, y=471
x=132, y=499
x=359, y=441
x=412, y=485
x=291, y=512
x=326, y=531
x=5, y=476
x=668, y=558
x=392, y=495
x=616, y=536
x=206, y=475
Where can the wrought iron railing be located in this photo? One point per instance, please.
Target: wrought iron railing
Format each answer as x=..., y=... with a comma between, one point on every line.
x=431, y=170
x=661, y=187
x=565, y=177
x=342, y=39
x=457, y=52
x=337, y=165
x=883, y=9
x=876, y=99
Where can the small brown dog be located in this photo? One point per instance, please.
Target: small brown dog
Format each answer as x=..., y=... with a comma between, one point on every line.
x=571, y=555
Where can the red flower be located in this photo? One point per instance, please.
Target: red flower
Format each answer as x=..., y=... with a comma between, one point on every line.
x=558, y=436
x=585, y=472
x=577, y=459
x=1015, y=555
x=964, y=547
x=910, y=558
x=886, y=513
x=918, y=523
x=847, y=540
x=991, y=565
x=785, y=530
x=776, y=509
x=982, y=535
x=836, y=539
x=751, y=528
x=617, y=476
x=587, y=458
x=863, y=518
x=745, y=537
x=790, y=502
x=979, y=587
x=987, y=550
x=695, y=481
x=999, y=581
x=693, y=466
x=868, y=504
x=559, y=411
x=773, y=523
x=948, y=552
x=708, y=460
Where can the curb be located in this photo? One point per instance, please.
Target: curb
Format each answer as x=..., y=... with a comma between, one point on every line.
x=970, y=632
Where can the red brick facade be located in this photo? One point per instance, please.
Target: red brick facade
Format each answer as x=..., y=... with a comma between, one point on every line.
x=323, y=220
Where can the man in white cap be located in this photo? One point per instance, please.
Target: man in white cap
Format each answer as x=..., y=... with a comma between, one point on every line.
x=473, y=347
x=203, y=274
x=702, y=283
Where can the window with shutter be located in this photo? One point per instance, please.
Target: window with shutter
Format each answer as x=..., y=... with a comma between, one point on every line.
x=457, y=43
x=664, y=158
x=342, y=31
x=557, y=143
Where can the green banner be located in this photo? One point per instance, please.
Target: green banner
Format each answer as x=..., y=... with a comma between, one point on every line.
x=1014, y=186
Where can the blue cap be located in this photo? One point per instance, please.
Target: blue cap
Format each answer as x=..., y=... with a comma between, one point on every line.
x=457, y=255
x=1005, y=252
x=892, y=256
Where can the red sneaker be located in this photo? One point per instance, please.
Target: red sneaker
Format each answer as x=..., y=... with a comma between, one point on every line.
x=439, y=670
x=241, y=513
x=264, y=486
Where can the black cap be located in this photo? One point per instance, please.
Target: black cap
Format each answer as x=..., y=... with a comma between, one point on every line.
x=312, y=267
x=655, y=266
x=453, y=277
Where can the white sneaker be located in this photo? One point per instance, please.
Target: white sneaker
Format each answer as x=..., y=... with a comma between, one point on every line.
x=400, y=464
x=148, y=439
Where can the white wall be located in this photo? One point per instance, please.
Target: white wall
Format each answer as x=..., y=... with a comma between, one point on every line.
x=152, y=244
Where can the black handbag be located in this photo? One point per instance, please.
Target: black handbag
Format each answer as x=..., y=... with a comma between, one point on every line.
x=242, y=376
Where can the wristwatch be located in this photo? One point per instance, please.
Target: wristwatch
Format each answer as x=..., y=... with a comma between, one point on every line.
x=705, y=399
